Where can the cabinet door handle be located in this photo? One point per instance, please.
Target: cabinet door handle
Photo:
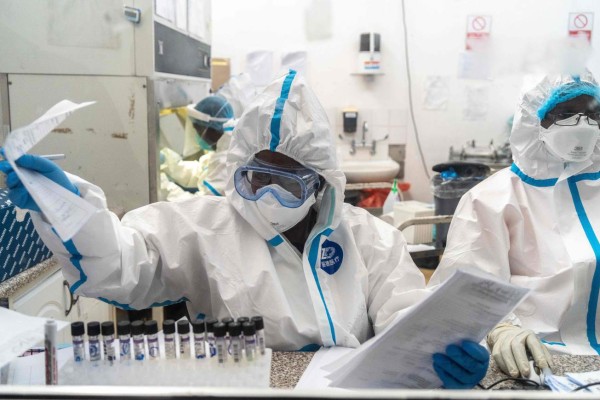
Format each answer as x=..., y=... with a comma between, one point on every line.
x=72, y=299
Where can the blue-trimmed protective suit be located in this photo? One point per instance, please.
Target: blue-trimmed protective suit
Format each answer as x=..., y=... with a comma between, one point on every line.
x=222, y=257
x=536, y=224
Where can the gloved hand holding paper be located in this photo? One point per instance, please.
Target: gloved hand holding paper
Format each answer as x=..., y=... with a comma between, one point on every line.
x=466, y=306
x=65, y=210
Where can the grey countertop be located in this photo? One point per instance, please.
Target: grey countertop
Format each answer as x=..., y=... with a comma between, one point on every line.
x=17, y=282
x=288, y=367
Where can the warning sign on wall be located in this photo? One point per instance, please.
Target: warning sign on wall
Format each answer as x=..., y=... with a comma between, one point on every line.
x=478, y=29
x=581, y=25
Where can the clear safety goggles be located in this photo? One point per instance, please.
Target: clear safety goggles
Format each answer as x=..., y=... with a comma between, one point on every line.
x=291, y=186
x=200, y=116
x=572, y=119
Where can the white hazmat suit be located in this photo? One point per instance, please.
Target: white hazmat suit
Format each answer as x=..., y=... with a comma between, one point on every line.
x=222, y=257
x=536, y=225
x=209, y=174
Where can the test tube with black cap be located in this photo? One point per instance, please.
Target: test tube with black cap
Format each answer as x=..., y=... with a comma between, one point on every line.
x=183, y=331
x=78, y=332
x=210, y=336
x=199, y=328
x=220, y=331
x=151, y=328
x=137, y=331
x=235, y=337
x=108, y=339
x=169, y=334
x=260, y=333
x=241, y=321
x=93, y=331
x=249, y=340
x=124, y=332
x=227, y=321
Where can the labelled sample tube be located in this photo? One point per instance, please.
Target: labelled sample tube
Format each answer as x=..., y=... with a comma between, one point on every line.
x=183, y=331
x=227, y=321
x=93, y=330
x=220, y=331
x=249, y=340
x=259, y=325
x=124, y=332
x=241, y=321
x=137, y=331
x=210, y=336
x=50, y=330
x=108, y=339
x=235, y=338
x=199, y=338
x=151, y=328
x=169, y=333
x=78, y=332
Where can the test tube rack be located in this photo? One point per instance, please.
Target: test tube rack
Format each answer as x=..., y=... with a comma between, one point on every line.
x=207, y=372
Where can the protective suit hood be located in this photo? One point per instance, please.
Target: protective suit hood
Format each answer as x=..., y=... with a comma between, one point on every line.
x=239, y=91
x=287, y=118
x=529, y=153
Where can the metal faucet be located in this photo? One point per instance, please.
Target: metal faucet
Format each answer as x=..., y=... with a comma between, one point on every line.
x=365, y=129
x=363, y=143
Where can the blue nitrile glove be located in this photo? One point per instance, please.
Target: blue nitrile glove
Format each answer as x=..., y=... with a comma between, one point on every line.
x=463, y=366
x=17, y=192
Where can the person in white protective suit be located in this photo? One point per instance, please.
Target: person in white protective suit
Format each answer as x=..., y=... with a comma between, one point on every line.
x=213, y=119
x=536, y=223
x=281, y=244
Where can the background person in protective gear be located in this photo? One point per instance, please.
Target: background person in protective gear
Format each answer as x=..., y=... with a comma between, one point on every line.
x=212, y=120
x=336, y=277
x=535, y=224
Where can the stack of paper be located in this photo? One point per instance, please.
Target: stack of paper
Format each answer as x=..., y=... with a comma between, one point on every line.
x=560, y=384
x=574, y=380
x=466, y=306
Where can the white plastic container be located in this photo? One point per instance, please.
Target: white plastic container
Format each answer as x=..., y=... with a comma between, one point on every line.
x=405, y=210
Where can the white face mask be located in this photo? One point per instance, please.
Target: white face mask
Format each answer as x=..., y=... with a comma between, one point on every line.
x=571, y=143
x=281, y=217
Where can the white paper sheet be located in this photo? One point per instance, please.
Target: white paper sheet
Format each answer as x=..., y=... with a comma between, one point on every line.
x=466, y=306
x=30, y=370
x=20, y=332
x=437, y=93
x=585, y=378
x=314, y=375
x=65, y=211
x=21, y=140
x=560, y=384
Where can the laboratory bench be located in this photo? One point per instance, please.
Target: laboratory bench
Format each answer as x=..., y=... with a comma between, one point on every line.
x=286, y=370
x=28, y=278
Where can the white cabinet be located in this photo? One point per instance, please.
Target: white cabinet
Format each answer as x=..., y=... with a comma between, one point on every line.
x=106, y=143
x=51, y=298
x=94, y=37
